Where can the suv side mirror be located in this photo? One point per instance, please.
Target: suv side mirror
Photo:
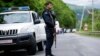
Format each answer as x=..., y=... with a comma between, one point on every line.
x=37, y=21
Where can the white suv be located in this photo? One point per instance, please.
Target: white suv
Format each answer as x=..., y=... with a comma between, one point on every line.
x=21, y=29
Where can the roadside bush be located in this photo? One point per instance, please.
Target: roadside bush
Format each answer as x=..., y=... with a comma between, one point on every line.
x=97, y=26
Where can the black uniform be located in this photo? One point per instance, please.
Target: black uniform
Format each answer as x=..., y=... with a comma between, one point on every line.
x=49, y=18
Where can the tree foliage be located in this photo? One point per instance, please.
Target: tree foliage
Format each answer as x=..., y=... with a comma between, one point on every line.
x=64, y=14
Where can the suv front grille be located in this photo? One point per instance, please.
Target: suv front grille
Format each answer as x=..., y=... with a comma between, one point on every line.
x=8, y=32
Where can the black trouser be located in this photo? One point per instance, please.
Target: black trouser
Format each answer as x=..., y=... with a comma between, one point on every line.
x=49, y=40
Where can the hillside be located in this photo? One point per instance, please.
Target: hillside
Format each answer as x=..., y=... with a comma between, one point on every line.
x=79, y=10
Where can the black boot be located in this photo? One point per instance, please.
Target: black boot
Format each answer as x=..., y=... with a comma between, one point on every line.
x=50, y=55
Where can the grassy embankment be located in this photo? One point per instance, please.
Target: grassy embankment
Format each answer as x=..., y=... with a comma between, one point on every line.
x=92, y=34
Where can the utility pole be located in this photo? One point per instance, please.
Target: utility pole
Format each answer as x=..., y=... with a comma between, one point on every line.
x=92, y=15
x=81, y=23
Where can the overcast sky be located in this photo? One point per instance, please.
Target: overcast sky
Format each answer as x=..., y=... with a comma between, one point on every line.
x=83, y=2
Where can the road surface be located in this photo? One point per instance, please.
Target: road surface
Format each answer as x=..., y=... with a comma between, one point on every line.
x=70, y=44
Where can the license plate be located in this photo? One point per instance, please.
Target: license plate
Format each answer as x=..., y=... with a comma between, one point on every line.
x=5, y=41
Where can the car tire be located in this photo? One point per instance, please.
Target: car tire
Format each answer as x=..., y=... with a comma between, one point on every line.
x=40, y=46
x=6, y=52
x=44, y=42
x=31, y=50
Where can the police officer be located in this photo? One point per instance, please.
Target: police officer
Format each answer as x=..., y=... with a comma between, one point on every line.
x=49, y=18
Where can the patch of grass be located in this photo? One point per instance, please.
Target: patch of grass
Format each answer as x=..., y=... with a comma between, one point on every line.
x=93, y=34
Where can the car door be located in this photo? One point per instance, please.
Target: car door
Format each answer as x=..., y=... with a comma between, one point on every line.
x=36, y=27
x=39, y=28
x=42, y=30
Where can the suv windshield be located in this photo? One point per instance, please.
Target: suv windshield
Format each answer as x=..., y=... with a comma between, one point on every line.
x=14, y=18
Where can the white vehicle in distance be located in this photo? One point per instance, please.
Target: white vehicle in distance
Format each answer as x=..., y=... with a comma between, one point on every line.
x=68, y=30
x=21, y=30
x=58, y=29
x=74, y=30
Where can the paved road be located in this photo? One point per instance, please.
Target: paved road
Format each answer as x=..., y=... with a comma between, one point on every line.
x=71, y=44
